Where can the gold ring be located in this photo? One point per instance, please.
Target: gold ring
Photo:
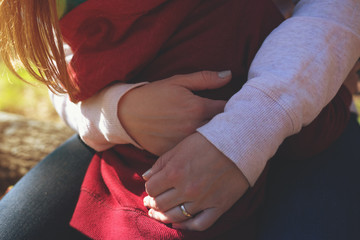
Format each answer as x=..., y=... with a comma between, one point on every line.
x=183, y=210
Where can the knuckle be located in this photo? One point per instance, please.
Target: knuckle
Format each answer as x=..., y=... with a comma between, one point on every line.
x=174, y=78
x=197, y=108
x=178, y=78
x=149, y=188
x=160, y=163
x=173, y=174
x=192, y=190
x=206, y=75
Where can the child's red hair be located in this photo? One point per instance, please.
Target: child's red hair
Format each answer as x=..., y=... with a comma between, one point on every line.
x=30, y=35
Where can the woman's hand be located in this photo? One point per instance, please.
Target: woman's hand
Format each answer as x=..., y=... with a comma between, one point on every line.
x=160, y=114
x=197, y=175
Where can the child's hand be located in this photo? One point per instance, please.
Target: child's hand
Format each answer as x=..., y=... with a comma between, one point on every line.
x=160, y=114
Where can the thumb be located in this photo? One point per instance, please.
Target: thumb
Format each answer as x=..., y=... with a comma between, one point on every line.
x=203, y=80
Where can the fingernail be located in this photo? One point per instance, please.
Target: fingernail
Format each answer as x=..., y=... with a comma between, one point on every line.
x=146, y=175
x=224, y=74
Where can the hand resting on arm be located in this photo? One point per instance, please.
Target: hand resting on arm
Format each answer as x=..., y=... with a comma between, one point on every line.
x=161, y=114
x=157, y=115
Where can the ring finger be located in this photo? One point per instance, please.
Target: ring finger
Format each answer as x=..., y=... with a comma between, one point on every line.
x=174, y=215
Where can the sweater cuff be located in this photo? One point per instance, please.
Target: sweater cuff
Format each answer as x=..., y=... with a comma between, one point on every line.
x=249, y=138
x=104, y=129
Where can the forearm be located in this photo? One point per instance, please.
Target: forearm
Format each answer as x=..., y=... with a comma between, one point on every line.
x=297, y=71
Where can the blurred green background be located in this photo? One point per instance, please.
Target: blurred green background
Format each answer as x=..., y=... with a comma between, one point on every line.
x=18, y=97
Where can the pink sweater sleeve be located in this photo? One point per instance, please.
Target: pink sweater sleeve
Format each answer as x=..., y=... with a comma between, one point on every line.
x=95, y=119
x=297, y=71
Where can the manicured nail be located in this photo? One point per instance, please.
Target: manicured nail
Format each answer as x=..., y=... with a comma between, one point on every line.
x=146, y=175
x=224, y=74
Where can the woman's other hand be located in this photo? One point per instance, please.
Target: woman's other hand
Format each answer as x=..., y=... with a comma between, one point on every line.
x=161, y=114
x=197, y=175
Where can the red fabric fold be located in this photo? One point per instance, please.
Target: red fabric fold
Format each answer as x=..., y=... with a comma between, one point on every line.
x=110, y=205
x=113, y=40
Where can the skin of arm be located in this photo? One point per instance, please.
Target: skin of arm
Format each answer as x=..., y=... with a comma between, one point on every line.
x=161, y=114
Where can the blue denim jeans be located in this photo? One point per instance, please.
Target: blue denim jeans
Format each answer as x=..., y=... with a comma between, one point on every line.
x=314, y=199
x=319, y=198
x=41, y=204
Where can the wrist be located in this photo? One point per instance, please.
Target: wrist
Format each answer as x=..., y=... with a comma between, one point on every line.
x=124, y=106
